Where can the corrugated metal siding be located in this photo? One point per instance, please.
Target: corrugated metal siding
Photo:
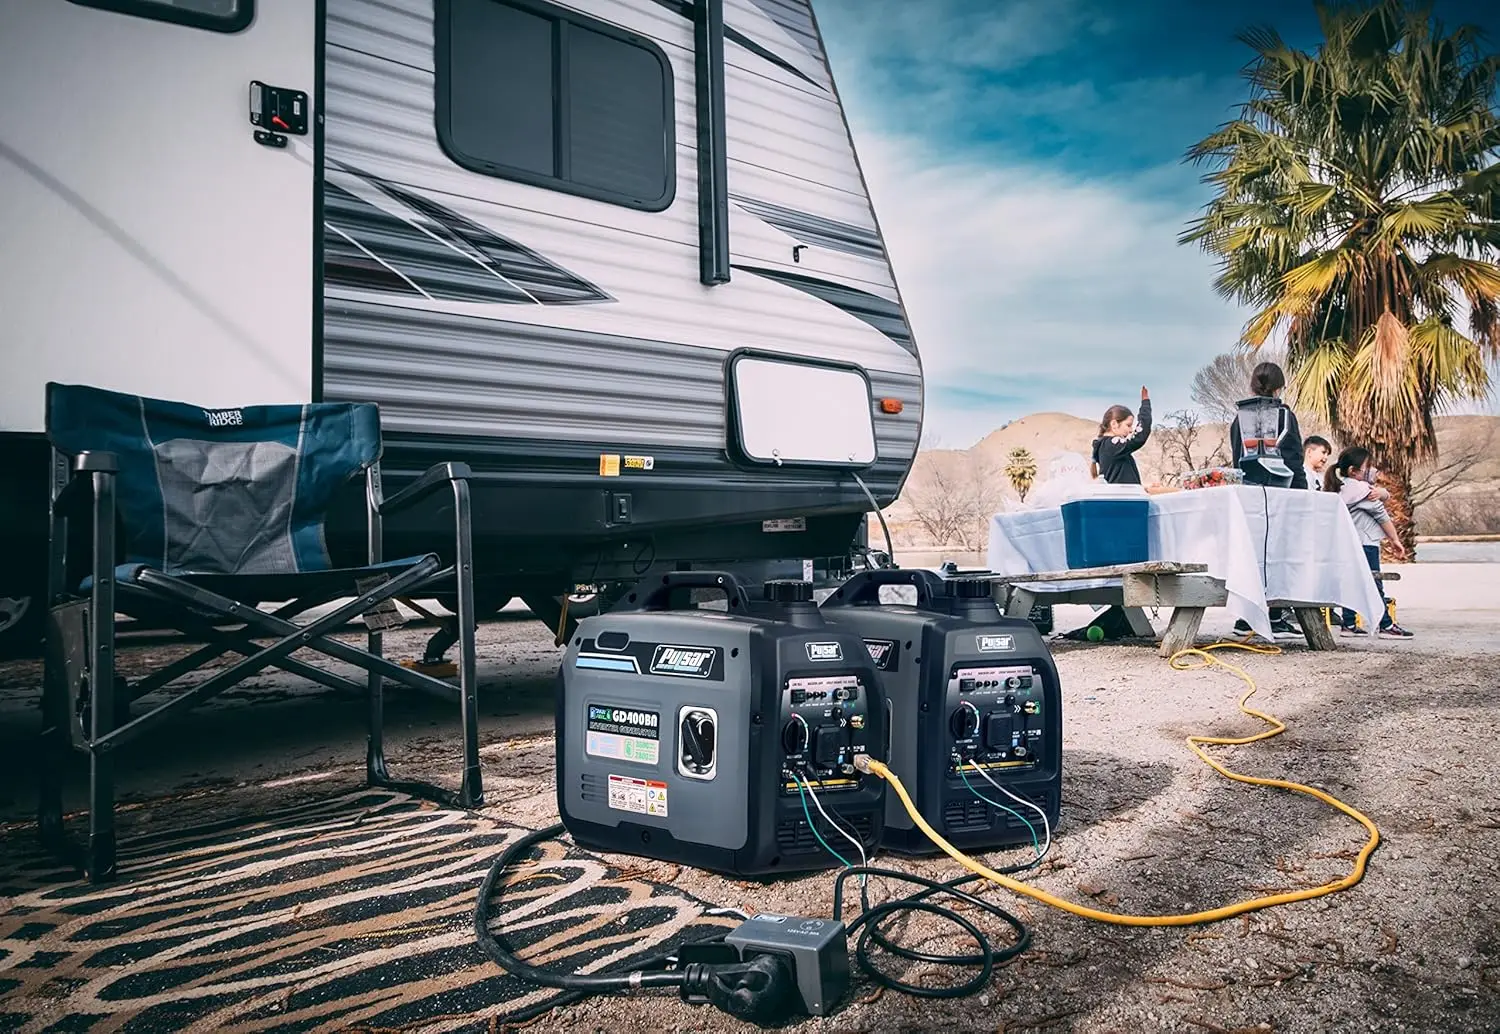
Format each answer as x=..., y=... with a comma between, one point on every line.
x=646, y=366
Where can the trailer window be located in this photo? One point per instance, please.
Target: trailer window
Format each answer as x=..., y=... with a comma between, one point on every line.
x=216, y=15
x=531, y=92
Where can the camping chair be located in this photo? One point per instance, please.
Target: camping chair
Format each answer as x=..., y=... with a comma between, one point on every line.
x=222, y=510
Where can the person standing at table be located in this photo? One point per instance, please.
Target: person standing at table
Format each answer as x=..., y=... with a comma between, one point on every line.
x=1266, y=443
x=1264, y=439
x=1353, y=479
x=1120, y=436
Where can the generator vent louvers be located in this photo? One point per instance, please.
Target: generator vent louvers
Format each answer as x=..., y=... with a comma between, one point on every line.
x=797, y=837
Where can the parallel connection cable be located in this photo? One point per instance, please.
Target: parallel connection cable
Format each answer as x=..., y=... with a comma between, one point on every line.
x=1183, y=660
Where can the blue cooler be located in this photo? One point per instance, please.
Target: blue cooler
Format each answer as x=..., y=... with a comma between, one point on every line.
x=1105, y=532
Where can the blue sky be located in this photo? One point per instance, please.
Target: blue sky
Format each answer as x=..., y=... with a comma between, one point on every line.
x=1025, y=162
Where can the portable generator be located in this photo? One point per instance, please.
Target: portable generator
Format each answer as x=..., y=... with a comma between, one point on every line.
x=710, y=738
x=976, y=708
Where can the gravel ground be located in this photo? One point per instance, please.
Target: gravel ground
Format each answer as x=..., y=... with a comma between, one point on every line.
x=1399, y=730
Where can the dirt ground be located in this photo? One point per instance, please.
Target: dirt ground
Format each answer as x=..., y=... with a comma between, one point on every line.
x=1402, y=731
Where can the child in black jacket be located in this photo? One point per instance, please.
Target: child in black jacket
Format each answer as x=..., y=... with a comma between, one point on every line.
x=1119, y=437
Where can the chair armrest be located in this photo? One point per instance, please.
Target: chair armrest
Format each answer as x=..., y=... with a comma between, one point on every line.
x=432, y=479
x=78, y=489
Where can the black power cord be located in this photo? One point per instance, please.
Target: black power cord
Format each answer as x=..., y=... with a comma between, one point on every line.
x=762, y=989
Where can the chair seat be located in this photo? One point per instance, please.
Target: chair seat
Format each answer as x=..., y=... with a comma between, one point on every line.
x=258, y=588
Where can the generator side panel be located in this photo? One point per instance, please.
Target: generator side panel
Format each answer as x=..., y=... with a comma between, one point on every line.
x=653, y=733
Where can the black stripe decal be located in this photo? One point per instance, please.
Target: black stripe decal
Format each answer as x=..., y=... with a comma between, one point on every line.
x=881, y=313
x=796, y=18
x=815, y=229
x=438, y=253
x=685, y=8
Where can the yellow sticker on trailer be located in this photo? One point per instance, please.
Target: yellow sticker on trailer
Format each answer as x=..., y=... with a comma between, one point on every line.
x=609, y=465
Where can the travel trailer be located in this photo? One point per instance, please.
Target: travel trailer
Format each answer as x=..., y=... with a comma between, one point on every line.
x=616, y=255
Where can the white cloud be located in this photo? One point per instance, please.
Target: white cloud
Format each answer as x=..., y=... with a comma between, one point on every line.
x=1029, y=291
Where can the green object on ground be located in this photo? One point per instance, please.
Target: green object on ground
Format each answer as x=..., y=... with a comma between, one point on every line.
x=1095, y=634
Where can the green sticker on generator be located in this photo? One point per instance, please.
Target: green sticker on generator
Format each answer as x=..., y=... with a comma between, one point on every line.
x=623, y=734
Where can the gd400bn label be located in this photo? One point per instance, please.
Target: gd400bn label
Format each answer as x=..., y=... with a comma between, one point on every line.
x=622, y=734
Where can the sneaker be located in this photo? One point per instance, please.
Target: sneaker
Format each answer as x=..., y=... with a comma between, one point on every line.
x=1353, y=630
x=1395, y=632
x=1284, y=629
x=1242, y=627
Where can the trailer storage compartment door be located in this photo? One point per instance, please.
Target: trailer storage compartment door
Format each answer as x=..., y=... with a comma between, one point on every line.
x=151, y=243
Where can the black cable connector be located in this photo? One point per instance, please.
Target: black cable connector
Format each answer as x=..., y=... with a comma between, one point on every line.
x=759, y=973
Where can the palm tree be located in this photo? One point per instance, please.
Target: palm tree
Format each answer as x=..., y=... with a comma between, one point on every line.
x=1356, y=213
x=1020, y=468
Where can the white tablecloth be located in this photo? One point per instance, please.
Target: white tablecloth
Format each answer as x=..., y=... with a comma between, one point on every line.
x=1307, y=550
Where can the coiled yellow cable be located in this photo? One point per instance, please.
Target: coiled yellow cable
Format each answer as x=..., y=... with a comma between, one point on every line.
x=1204, y=658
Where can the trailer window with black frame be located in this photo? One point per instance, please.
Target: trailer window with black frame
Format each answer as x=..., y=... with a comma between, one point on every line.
x=214, y=15
x=531, y=92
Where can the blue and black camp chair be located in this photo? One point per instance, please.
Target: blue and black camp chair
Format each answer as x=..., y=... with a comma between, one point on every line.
x=222, y=510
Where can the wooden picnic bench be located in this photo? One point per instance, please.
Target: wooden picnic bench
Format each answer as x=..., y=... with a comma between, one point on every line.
x=1187, y=588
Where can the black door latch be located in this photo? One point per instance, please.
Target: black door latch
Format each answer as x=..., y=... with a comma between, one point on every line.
x=278, y=112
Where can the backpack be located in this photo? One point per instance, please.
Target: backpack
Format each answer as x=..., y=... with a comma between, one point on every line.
x=1263, y=426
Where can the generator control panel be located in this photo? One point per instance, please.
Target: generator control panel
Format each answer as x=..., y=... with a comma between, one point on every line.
x=823, y=725
x=995, y=717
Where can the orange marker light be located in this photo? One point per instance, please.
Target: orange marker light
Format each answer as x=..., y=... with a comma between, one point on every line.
x=890, y=406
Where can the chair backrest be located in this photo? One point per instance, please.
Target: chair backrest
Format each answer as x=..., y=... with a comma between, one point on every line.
x=219, y=491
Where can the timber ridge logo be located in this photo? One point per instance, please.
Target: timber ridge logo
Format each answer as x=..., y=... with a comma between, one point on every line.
x=695, y=662
x=224, y=417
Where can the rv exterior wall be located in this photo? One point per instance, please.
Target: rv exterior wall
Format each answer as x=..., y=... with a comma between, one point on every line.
x=151, y=245
x=635, y=356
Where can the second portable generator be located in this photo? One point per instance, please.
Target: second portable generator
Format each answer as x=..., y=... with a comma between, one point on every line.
x=976, y=709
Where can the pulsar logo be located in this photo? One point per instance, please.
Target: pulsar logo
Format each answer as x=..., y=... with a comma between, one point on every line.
x=224, y=417
x=996, y=643
x=882, y=652
x=691, y=661
x=825, y=652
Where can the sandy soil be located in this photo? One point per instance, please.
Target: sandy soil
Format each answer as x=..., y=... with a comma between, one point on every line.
x=1402, y=731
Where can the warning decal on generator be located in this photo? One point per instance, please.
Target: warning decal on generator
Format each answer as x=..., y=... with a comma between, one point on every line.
x=623, y=734
x=642, y=796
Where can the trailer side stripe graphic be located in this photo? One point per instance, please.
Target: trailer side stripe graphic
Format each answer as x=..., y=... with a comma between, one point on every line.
x=685, y=8
x=816, y=229
x=436, y=252
x=881, y=313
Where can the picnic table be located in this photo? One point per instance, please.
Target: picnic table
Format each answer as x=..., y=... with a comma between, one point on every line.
x=1242, y=547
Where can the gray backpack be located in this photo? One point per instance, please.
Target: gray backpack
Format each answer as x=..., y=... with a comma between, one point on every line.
x=1263, y=425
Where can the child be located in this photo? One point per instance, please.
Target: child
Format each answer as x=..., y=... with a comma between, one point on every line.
x=1353, y=479
x=1316, y=452
x=1119, y=437
x=1264, y=439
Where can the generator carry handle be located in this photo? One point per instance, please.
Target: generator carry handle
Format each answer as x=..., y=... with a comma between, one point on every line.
x=863, y=588
x=655, y=593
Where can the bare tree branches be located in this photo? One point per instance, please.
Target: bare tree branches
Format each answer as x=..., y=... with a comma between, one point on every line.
x=951, y=498
x=1184, y=444
x=1451, y=464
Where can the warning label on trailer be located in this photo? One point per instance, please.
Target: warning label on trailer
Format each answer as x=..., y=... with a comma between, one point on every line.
x=642, y=796
x=623, y=734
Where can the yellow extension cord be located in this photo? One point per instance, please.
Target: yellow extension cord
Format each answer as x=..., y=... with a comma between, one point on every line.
x=1204, y=659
